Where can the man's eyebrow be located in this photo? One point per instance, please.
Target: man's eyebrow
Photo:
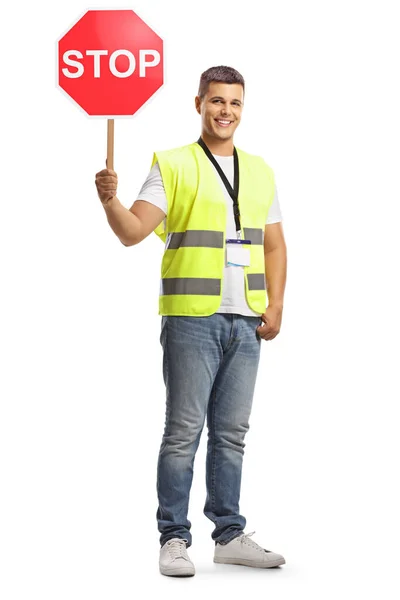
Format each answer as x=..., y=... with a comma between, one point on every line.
x=221, y=98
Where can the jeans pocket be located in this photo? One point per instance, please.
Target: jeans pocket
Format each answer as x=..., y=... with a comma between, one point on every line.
x=259, y=324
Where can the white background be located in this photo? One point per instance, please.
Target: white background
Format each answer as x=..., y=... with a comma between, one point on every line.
x=82, y=408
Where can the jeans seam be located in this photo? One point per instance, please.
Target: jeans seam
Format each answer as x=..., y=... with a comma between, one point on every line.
x=232, y=337
x=167, y=378
x=213, y=455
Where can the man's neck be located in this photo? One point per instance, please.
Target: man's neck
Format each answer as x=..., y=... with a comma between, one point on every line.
x=218, y=147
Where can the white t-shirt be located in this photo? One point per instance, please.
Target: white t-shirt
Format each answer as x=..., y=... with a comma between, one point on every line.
x=233, y=283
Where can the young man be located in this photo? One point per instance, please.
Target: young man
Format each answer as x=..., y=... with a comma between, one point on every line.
x=215, y=207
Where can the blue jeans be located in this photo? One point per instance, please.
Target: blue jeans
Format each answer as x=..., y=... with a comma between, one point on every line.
x=210, y=367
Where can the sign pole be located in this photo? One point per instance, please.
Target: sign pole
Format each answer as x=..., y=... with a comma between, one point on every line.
x=110, y=144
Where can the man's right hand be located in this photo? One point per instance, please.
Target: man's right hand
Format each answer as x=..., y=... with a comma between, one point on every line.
x=106, y=184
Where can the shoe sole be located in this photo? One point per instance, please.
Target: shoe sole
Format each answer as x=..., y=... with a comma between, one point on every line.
x=178, y=572
x=250, y=563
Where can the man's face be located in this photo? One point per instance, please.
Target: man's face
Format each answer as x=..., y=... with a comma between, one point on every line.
x=221, y=109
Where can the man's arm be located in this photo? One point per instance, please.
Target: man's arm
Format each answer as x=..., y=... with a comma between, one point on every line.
x=133, y=225
x=275, y=275
x=275, y=263
x=130, y=226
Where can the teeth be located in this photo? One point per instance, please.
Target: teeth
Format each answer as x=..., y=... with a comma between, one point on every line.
x=224, y=122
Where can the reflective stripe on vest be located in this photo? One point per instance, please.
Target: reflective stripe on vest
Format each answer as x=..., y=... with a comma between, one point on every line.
x=191, y=285
x=256, y=236
x=256, y=281
x=196, y=238
x=203, y=286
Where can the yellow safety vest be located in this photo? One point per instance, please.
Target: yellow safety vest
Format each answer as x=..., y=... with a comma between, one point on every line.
x=194, y=259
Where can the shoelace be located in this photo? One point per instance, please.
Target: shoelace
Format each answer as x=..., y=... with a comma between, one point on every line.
x=177, y=548
x=245, y=539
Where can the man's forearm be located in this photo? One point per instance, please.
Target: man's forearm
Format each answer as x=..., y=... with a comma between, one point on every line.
x=275, y=274
x=122, y=221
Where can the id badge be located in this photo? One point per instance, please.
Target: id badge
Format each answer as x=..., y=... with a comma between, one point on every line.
x=237, y=253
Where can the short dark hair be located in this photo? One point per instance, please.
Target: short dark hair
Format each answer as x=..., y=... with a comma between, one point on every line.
x=220, y=74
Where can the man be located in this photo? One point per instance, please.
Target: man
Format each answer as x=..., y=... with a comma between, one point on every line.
x=215, y=207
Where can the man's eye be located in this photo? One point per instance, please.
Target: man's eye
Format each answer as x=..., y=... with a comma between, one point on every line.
x=216, y=100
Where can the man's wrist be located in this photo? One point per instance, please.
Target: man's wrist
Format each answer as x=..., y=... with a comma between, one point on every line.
x=110, y=202
x=278, y=304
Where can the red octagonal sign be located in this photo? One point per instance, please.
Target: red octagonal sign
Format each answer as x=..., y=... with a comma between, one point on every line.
x=110, y=62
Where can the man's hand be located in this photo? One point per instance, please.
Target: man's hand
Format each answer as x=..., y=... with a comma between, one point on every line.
x=272, y=319
x=106, y=183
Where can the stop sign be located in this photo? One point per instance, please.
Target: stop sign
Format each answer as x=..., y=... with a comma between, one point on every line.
x=110, y=62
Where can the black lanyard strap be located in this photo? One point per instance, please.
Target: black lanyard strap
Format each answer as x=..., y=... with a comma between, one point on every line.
x=233, y=192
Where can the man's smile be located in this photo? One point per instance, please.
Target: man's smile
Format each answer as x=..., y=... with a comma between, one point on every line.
x=223, y=122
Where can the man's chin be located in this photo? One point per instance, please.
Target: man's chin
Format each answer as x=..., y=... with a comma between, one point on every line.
x=223, y=135
x=219, y=135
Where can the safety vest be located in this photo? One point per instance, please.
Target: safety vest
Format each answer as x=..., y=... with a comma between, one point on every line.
x=194, y=257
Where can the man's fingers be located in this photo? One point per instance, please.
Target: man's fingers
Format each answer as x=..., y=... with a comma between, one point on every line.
x=107, y=188
x=106, y=172
x=108, y=179
x=102, y=173
x=265, y=332
x=112, y=191
x=104, y=182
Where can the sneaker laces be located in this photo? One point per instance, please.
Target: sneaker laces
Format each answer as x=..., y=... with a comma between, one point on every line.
x=177, y=548
x=245, y=539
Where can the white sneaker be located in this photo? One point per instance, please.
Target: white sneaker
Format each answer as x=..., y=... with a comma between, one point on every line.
x=243, y=551
x=174, y=559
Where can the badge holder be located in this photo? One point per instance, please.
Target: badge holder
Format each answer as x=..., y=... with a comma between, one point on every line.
x=237, y=255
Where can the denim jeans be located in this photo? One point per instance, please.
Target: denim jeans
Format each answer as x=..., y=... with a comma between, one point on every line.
x=210, y=367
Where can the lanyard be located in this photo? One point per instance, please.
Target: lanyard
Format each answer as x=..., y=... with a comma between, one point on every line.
x=233, y=192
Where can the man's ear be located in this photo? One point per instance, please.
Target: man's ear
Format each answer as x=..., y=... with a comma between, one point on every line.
x=197, y=103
